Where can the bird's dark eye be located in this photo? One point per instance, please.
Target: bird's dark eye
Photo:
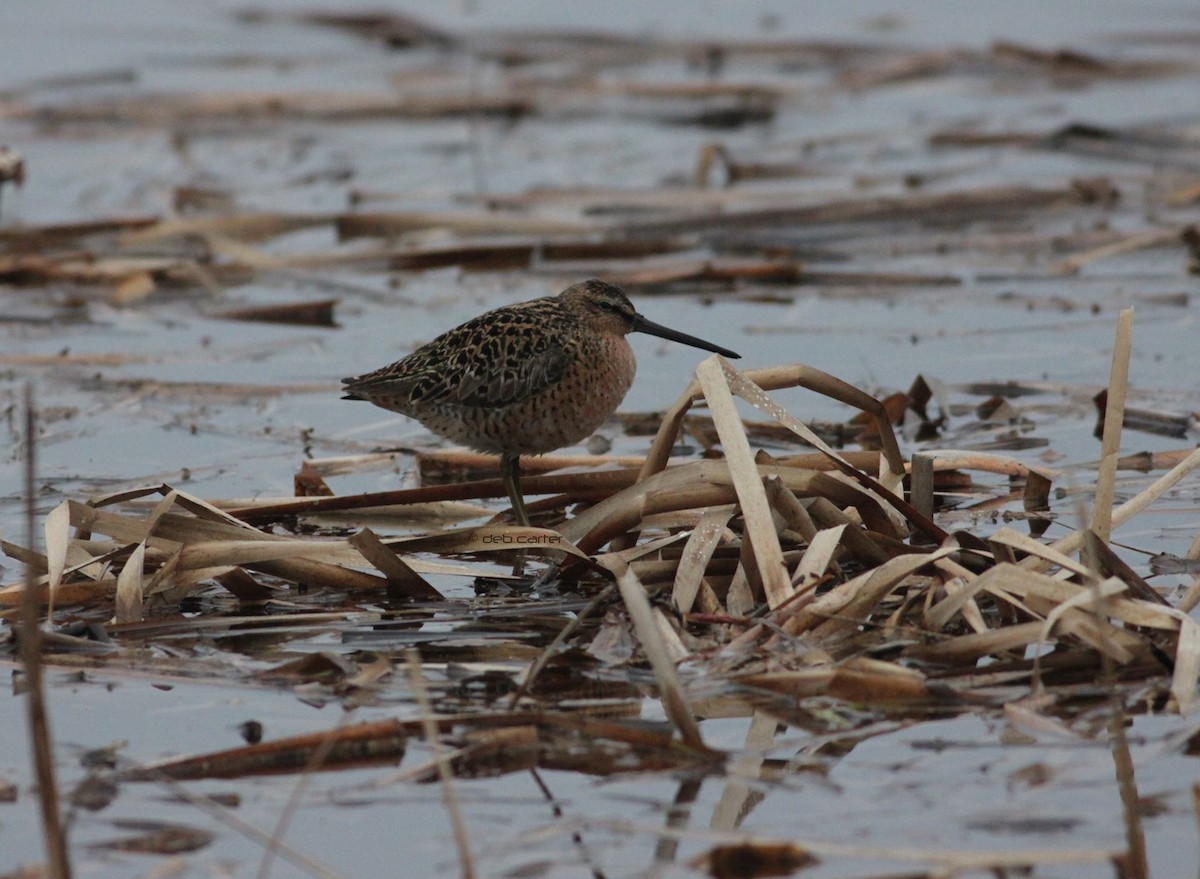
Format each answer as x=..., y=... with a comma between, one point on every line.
x=607, y=306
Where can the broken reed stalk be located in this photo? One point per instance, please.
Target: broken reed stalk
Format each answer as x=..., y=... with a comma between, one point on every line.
x=31, y=659
x=752, y=497
x=421, y=695
x=1114, y=417
x=675, y=703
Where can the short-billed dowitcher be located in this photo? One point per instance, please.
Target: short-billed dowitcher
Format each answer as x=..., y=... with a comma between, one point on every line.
x=523, y=379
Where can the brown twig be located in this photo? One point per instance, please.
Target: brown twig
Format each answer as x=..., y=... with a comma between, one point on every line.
x=31, y=659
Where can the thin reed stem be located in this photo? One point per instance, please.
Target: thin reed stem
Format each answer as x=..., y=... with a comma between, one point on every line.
x=31, y=659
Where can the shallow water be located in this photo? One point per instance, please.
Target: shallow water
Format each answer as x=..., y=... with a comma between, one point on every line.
x=108, y=425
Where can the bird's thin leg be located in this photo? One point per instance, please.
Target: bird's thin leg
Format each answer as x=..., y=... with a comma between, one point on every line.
x=510, y=466
x=510, y=470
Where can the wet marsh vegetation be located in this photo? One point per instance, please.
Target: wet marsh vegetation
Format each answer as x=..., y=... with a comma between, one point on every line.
x=908, y=590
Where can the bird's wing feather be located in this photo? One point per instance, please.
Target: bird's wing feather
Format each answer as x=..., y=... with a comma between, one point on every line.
x=492, y=360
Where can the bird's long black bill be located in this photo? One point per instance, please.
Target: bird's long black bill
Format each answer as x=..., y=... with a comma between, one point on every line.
x=642, y=325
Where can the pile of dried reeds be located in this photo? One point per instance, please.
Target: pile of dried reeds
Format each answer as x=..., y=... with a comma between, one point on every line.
x=801, y=576
x=788, y=578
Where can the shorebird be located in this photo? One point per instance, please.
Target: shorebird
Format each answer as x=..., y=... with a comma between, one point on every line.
x=522, y=379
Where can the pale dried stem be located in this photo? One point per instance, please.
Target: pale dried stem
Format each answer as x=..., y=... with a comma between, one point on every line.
x=674, y=701
x=53, y=835
x=1114, y=416
x=449, y=793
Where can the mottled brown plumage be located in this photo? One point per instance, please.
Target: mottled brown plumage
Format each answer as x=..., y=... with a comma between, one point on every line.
x=523, y=379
